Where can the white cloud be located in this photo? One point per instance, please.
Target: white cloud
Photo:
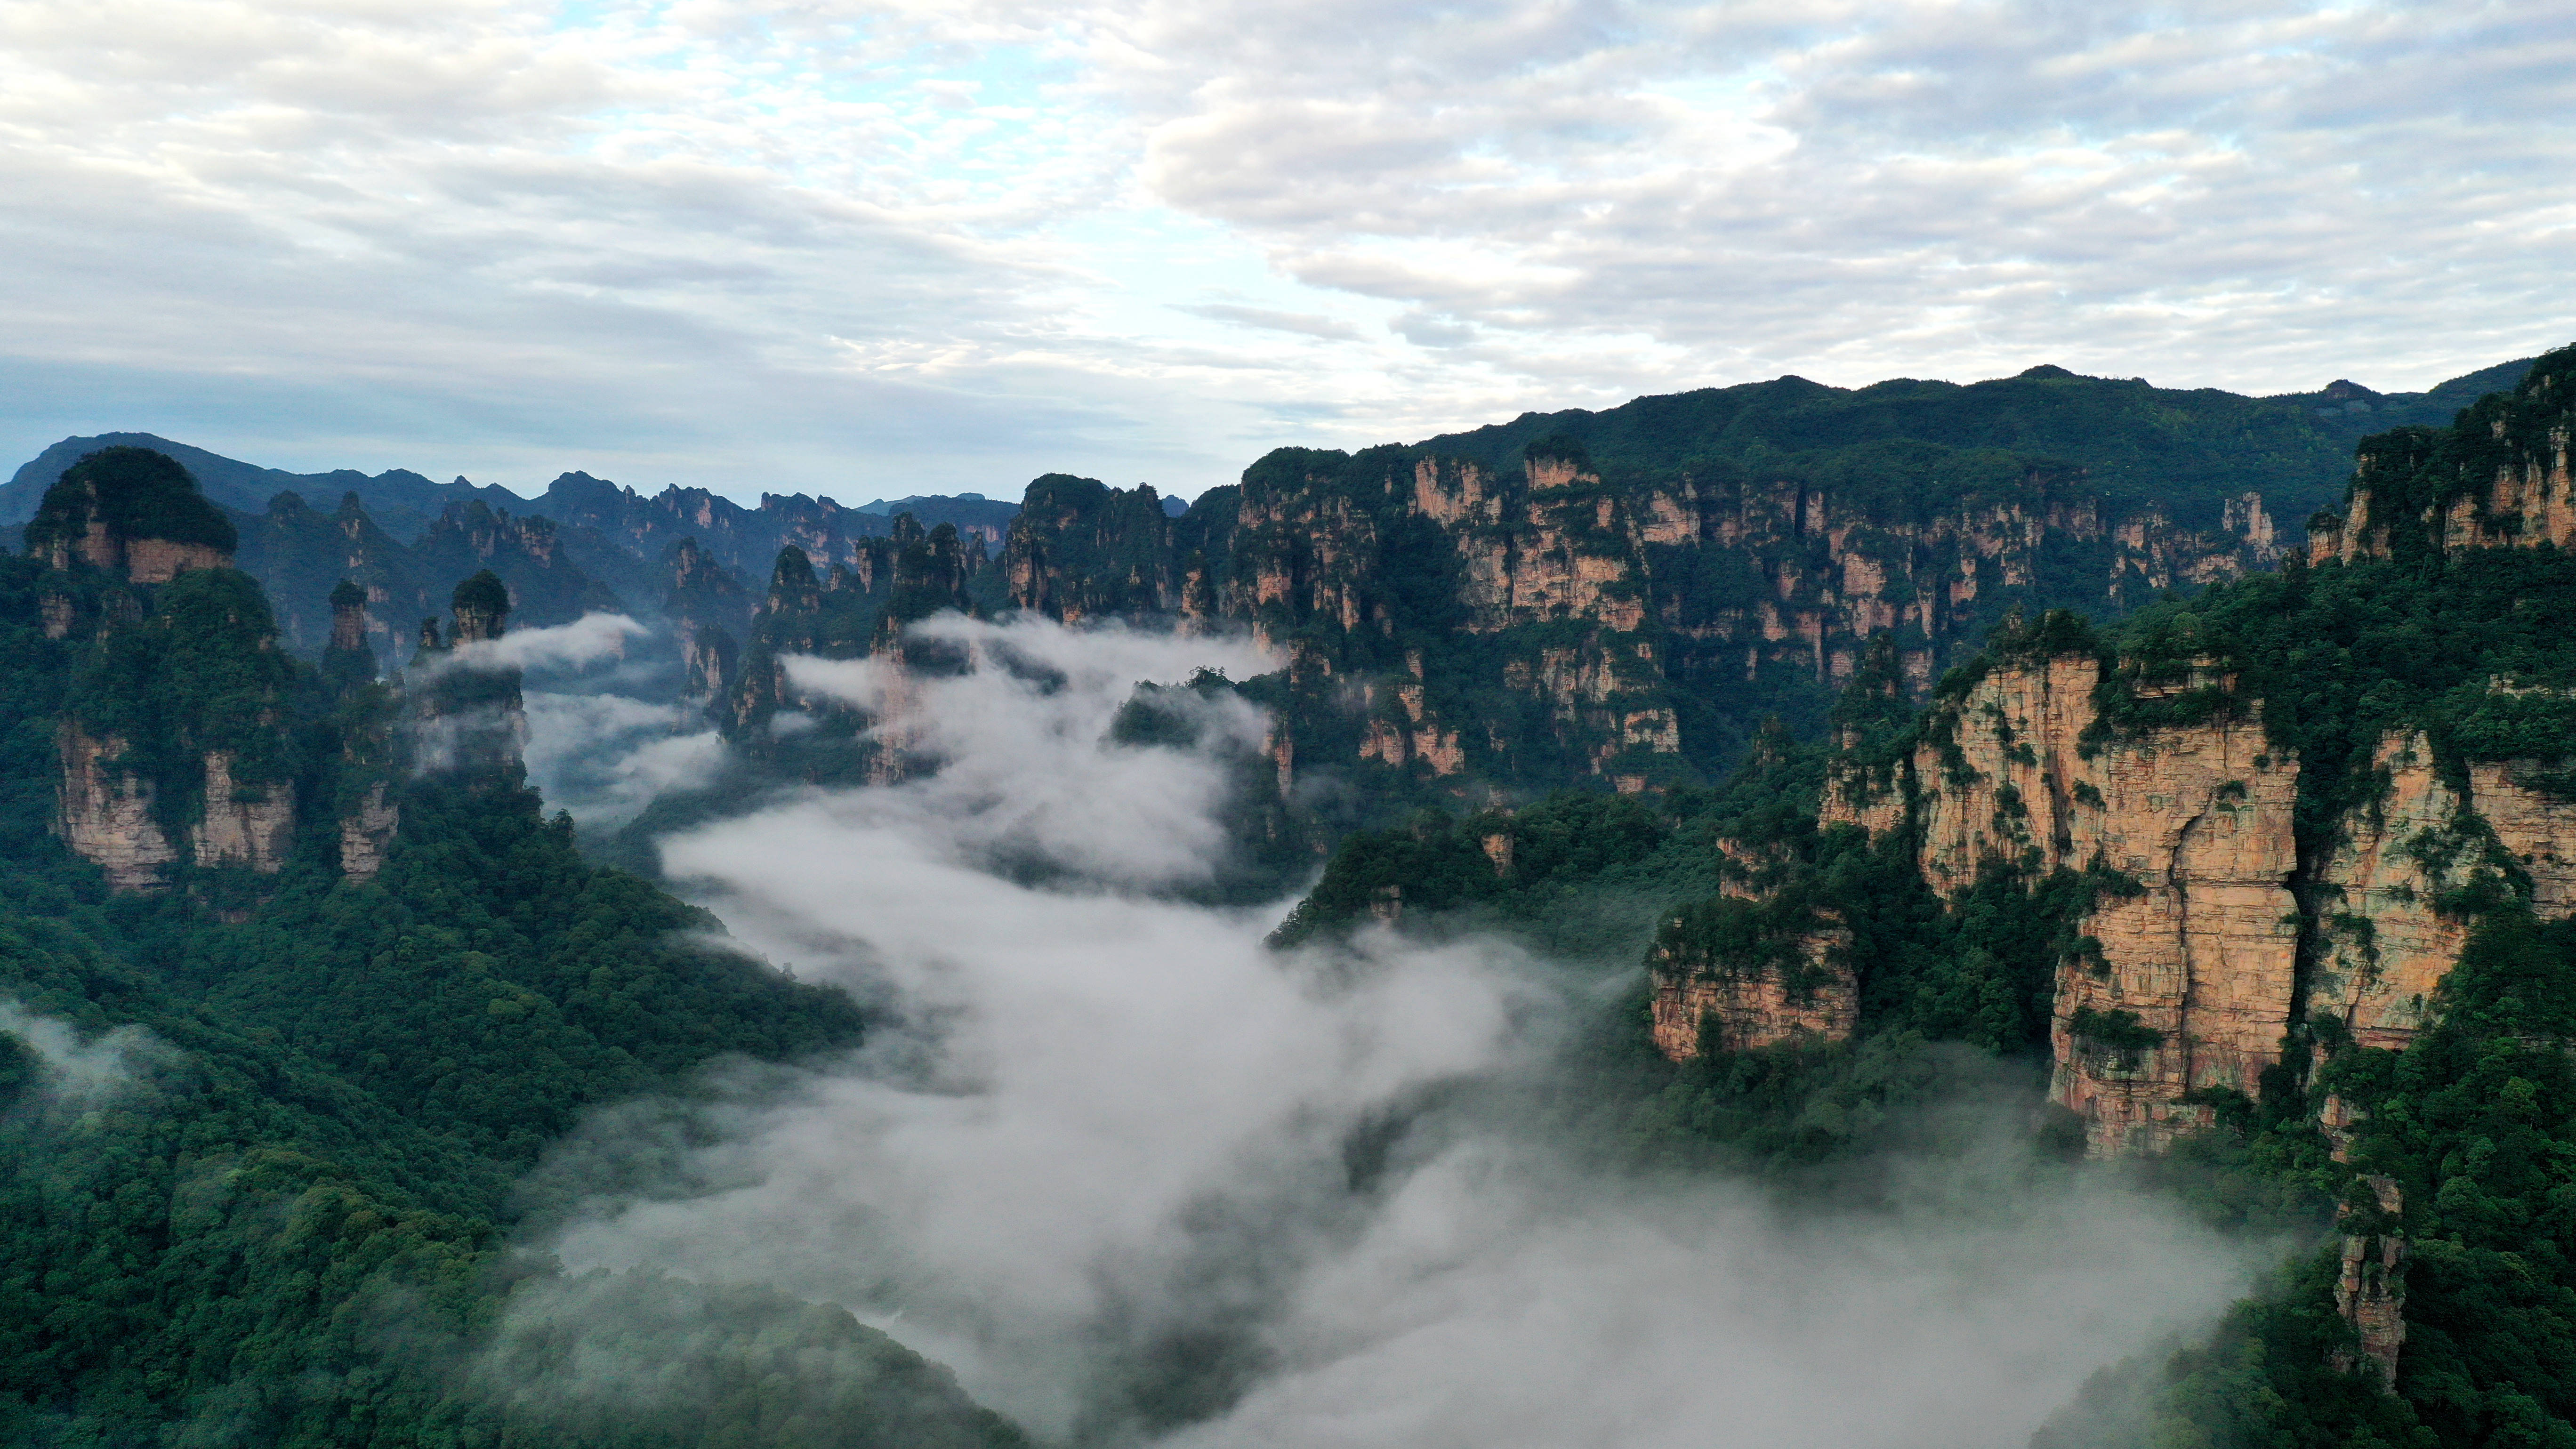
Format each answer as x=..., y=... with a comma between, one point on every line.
x=585, y=641
x=895, y=247
x=78, y=1072
x=605, y=757
x=1026, y=768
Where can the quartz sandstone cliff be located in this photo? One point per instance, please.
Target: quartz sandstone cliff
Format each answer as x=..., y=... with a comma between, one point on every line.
x=2194, y=935
x=1748, y=1005
x=242, y=824
x=1542, y=623
x=2197, y=933
x=106, y=813
x=137, y=518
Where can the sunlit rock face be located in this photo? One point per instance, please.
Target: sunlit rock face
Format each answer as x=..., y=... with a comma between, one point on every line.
x=2197, y=941
x=2496, y=479
x=2199, y=930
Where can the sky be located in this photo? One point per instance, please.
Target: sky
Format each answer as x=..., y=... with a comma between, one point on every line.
x=875, y=249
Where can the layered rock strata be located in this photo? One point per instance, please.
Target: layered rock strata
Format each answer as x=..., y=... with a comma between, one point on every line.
x=2189, y=979
x=2387, y=929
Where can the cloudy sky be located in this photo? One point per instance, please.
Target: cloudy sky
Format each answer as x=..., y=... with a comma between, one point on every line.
x=930, y=245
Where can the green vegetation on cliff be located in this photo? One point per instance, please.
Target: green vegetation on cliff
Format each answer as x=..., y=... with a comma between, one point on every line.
x=2458, y=1147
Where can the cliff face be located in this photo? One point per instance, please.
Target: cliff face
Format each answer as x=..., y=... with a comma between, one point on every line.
x=2190, y=979
x=2391, y=922
x=2226, y=922
x=367, y=832
x=172, y=747
x=1540, y=624
x=2188, y=972
x=702, y=600
x=2497, y=479
x=106, y=813
x=243, y=824
x=1747, y=1003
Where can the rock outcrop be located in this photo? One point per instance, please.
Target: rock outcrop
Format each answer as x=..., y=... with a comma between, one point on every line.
x=2370, y=1290
x=171, y=745
x=702, y=597
x=2496, y=479
x=2189, y=976
x=866, y=607
x=367, y=832
x=469, y=716
x=1755, y=1000
x=242, y=824
x=106, y=812
x=110, y=814
x=2390, y=925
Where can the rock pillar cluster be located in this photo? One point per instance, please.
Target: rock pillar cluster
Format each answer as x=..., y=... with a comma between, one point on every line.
x=175, y=748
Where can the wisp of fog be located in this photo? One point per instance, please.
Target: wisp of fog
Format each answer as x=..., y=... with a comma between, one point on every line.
x=1100, y=1159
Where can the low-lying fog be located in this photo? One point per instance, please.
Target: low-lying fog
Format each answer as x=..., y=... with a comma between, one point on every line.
x=1138, y=1179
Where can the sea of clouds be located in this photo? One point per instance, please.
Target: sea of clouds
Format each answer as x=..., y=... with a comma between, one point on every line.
x=1139, y=1178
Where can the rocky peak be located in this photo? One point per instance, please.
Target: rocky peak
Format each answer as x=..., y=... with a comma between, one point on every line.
x=485, y=532
x=1080, y=549
x=482, y=608
x=132, y=511
x=173, y=742
x=348, y=617
x=2497, y=479
x=349, y=662
x=468, y=712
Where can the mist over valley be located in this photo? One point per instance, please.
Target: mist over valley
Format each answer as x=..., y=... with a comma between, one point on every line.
x=1132, y=726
